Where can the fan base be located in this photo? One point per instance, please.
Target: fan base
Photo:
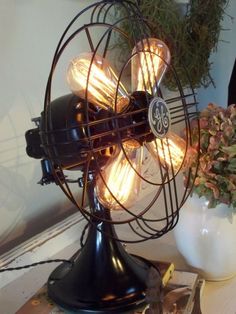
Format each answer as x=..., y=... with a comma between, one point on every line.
x=63, y=292
x=102, y=278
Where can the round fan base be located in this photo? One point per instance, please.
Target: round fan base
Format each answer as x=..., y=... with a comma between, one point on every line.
x=60, y=291
x=102, y=278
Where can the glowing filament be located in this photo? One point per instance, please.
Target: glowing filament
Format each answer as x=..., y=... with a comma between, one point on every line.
x=149, y=64
x=123, y=183
x=99, y=80
x=120, y=173
x=171, y=150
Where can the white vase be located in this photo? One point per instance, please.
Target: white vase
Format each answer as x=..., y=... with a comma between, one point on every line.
x=206, y=237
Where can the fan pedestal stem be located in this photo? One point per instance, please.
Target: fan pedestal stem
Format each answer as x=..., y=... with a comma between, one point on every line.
x=103, y=278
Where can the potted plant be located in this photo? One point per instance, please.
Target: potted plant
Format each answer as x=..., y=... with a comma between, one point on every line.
x=206, y=232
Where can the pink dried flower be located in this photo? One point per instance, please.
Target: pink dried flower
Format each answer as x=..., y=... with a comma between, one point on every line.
x=203, y=123
x=216, y=176
x=214, y=188
x=214, y=142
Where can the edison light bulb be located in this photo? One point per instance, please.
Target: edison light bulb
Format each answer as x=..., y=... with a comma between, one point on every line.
x=120, y=177
x=96, y=76
x=149, y=63
x=171, y=150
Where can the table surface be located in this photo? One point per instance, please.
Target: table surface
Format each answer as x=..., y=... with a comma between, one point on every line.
x=218, y=297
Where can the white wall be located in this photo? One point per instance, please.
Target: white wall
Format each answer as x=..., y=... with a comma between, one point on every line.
x=29, y=32
x=223, y=61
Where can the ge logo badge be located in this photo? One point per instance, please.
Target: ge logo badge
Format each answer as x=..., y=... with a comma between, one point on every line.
x=159, y=117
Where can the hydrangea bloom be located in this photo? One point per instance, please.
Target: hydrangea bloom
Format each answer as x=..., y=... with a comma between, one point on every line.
x=216, y=174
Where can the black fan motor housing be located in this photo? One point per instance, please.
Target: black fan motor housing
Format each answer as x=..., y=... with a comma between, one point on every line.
x=74, y=128
x=65, y=139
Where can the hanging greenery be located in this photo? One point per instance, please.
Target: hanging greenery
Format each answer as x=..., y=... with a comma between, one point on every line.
x=191, y=35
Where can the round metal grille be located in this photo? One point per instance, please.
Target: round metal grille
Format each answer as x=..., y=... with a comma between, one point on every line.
x=80, y=135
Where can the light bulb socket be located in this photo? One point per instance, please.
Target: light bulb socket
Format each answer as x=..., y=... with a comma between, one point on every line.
x=139, y=105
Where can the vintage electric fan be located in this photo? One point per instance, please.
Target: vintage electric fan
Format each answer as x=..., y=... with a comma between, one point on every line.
x=117, y=129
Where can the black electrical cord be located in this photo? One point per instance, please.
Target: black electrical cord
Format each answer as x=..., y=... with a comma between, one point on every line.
x=36, y=264
x=82, y=241
x=58, y=260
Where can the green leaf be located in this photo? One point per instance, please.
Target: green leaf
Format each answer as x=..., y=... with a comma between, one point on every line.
x=231, y=168
x=231, y=150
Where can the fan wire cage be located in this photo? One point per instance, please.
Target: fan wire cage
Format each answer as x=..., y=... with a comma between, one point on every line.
x=107, y=122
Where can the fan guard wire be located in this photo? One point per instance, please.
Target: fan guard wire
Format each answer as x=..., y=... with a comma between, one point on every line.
x=180, y=113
